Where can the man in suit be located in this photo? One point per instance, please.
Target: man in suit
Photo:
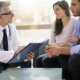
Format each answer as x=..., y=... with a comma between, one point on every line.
x=9, y=38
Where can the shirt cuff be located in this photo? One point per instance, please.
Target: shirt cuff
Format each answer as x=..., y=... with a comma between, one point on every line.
x=75, y=50
x=25, y=60
x=8, y=55
x=72, y=44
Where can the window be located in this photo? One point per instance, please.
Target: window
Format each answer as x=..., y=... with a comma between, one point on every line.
x=35, y=16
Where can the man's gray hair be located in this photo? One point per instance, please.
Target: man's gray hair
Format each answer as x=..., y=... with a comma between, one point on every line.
x=3, y=4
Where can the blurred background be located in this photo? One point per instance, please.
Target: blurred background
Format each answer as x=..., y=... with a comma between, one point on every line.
x=33, y=19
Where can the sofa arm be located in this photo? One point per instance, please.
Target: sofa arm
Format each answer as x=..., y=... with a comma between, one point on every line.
x=41, y=49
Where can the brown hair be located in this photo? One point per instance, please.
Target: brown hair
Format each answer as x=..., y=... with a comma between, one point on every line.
x=58, y=23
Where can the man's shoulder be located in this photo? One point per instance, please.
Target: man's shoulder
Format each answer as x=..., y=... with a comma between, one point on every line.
x=12, y=27
x=11, y=24
x=77, y=22
x=77, y=26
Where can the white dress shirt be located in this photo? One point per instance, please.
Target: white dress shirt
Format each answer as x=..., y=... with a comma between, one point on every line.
x=13, y=42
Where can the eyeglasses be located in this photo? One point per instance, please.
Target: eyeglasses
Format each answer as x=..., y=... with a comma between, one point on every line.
x=9, y=13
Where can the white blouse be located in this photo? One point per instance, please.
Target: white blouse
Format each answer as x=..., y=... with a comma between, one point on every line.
x=67, y=30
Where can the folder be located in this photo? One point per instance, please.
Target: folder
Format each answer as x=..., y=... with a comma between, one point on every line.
x=21, y=56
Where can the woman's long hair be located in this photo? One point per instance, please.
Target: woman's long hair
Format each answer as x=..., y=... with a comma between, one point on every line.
x=58, y=23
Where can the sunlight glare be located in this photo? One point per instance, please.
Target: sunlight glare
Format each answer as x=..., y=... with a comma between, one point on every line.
x=27, y=2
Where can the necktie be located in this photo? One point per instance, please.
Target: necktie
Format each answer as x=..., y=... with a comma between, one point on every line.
x=5, y=41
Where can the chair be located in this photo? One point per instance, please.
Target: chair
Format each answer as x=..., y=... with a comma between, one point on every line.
x=39, y=51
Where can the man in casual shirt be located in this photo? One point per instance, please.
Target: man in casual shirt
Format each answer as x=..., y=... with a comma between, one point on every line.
x=12, y=39
x=72, y=48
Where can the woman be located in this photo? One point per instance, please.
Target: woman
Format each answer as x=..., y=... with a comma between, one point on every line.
x=61, y=29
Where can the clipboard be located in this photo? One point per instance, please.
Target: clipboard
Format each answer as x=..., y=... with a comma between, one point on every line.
x=21, y=56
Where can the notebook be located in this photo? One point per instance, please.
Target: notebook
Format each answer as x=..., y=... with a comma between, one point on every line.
x=21, y=56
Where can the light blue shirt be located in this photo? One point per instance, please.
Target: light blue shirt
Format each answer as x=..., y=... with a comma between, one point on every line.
x=75, y=48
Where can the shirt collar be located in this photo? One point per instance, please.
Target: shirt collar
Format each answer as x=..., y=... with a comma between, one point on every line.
x=1, y=28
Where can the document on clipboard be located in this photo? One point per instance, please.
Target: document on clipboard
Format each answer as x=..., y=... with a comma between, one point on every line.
x=31, y=47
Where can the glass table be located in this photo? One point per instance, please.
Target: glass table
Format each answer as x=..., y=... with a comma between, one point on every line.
x=31, y=74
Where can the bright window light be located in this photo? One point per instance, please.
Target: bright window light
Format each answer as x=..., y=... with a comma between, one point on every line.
x=27, y=2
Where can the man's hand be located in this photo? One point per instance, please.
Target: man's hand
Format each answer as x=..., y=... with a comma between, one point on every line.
x=18, y=50
x=51, y=50
x=72, y=38
x=30, y=55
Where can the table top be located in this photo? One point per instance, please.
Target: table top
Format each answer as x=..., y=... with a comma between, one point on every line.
x=31, y=74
